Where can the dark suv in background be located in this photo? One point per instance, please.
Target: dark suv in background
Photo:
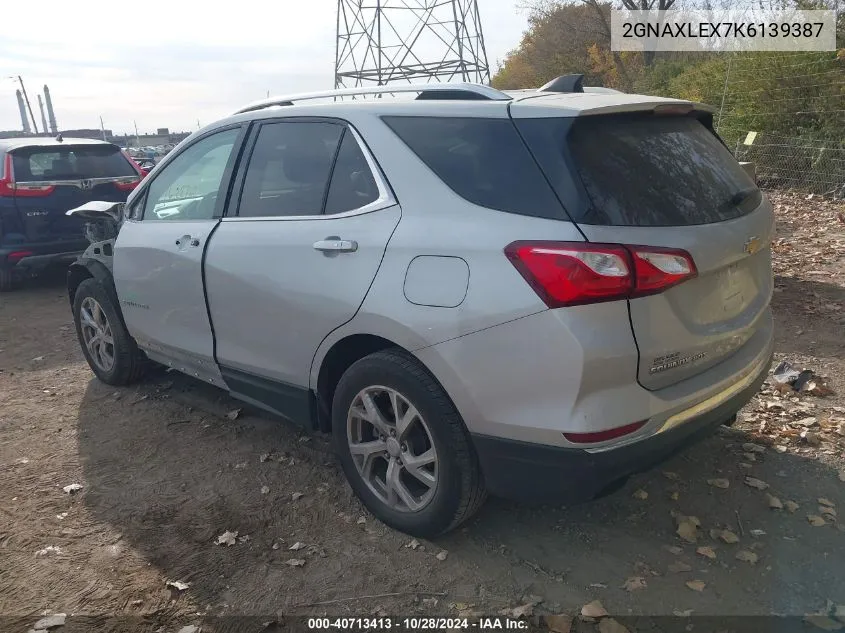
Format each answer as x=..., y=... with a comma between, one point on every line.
x=41, y=179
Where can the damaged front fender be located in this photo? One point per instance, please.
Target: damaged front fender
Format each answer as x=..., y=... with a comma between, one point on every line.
x=102, y=224
x=102, y=219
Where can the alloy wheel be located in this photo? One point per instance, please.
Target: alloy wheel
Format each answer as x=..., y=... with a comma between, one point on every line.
x=97, y=334
x=392, y=447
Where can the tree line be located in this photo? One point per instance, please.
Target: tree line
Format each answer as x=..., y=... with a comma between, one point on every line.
x=791, y=95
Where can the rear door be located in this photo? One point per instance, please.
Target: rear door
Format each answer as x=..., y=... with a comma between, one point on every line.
x=50, y=180
x=668, y=181
x=296, y=261
x=159, y=251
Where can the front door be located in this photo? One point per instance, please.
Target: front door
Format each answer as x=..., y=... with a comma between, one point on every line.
x=158, y=256
x=296, y=262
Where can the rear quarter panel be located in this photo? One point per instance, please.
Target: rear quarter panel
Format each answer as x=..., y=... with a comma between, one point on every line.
x=437, y=222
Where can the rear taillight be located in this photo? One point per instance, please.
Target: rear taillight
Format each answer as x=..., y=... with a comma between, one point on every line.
x=657, y=269
x=575, y=273
x=604, y=436
x=15, y=256
x=9, y=188
x=6, y=189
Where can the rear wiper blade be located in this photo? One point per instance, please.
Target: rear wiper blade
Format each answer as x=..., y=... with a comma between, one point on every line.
x=741, y=197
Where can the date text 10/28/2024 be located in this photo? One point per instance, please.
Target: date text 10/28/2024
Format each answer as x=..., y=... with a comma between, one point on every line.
x=494, y=623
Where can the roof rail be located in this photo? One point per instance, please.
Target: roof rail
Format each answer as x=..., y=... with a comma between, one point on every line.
x=448, y=91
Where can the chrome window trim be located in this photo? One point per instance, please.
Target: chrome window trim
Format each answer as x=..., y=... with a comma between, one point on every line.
x=375, y=205
x=76, y=182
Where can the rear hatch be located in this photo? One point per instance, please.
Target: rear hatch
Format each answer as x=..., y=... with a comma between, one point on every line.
x=665, y=180
x=47, y=181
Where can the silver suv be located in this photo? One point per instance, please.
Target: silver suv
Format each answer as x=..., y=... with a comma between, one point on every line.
x=530, y=294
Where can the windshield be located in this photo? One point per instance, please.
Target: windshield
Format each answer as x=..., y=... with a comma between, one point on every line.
x=38, y=164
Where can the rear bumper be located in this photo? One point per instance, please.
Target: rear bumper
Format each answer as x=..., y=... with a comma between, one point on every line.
x=535, y=472
x=42, y=255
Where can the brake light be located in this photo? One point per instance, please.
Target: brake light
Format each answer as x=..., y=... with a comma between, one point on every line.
x=9, y=188
x=673, y=109
x=576, y=273
x=15, y=256
x=6, y=180
x=604, y=436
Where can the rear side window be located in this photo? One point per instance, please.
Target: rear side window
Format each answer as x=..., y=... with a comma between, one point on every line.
x=641, y=170
x=482, y=160
x=38, y=164
x=353, y=185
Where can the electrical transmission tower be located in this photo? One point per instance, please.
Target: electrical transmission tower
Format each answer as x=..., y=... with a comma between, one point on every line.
x=384, y=41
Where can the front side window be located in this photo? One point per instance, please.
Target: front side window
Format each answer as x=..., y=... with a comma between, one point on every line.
x=188, y=187
x=290, y=168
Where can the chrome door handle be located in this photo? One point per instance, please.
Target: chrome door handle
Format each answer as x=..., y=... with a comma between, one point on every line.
x=336, y=245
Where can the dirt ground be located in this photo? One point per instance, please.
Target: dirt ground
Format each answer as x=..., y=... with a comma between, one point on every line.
x=164, y=472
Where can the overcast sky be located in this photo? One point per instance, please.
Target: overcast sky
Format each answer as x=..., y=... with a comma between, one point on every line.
x=169, y=63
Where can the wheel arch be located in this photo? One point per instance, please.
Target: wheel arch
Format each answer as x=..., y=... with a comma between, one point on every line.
x=364, y=335
x=334, y=362
x=85, y=268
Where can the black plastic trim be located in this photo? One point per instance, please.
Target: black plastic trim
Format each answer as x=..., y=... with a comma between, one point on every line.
x=290, y=401
x=535, y=472
x=102, y=274
x=334, y=165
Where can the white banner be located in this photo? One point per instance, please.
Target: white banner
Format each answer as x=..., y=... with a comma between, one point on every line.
x=727, y=30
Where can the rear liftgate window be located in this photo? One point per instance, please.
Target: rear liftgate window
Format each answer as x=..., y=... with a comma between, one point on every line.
x=482, y=160
x=641, y=170
x=70, y=163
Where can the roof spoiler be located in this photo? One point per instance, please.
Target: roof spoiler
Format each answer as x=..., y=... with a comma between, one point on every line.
x=565, y=83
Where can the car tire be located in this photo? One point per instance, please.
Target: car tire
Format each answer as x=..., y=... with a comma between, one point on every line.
x=93, y=305
x=7, y=280
x=393, y=378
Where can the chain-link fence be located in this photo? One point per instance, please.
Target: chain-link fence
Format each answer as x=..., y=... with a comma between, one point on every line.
x=784, y=162
x=785, y=112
